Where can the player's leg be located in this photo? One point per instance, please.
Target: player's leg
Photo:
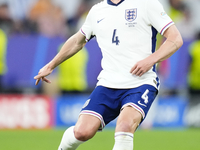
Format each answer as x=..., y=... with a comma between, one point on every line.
x=135, y=106
x=128, y=120
x=85, y=128
x=127, y=123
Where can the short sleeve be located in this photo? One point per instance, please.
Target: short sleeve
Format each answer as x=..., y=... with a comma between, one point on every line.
x=86, y=28
x=157, y=16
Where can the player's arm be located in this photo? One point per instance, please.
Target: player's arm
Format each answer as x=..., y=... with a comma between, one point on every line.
x=71, y=47
x=172, y=43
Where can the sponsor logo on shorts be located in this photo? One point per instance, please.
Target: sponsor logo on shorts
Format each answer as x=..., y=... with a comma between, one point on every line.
x=142, y=104
x=86, y=103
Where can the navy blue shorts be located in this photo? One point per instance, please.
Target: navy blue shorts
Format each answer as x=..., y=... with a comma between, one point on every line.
x=106, y=103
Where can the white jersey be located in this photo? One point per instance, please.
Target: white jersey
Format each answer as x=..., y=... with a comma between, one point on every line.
x=126, y=33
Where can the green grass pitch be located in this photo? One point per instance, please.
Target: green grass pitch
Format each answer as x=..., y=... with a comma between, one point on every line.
x=157, y=139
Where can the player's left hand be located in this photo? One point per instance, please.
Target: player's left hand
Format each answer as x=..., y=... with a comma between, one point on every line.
x=141, y=67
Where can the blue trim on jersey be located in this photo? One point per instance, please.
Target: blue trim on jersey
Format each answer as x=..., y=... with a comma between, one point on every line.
x=154, y=39
x=111, y=3
x=158, y=82
x=153, y=49
x=92, y=36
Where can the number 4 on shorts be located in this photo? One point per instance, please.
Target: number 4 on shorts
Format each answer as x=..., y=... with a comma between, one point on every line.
x=145, y=96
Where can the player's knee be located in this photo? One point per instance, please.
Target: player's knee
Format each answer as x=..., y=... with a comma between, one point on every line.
x=82, y=134
x=129, y=125
x=124, y=126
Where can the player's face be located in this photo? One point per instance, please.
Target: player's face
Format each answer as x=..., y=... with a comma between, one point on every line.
x=115, y=1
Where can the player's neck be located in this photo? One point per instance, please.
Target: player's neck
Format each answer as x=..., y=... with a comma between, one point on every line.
x=115, y=1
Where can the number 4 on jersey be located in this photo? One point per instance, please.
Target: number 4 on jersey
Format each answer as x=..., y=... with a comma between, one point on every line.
x=115, y=38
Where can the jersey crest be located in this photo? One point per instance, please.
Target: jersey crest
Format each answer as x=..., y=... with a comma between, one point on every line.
x=131, y=14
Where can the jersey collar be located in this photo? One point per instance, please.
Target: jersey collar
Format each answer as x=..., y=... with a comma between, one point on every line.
x=111, y=3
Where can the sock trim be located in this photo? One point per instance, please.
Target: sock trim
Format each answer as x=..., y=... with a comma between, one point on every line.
x=123, y=134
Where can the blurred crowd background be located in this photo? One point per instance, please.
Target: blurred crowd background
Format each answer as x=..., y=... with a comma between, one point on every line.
x=31, y=34
x=50, y=19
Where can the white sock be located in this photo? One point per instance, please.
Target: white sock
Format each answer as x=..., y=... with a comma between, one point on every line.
x=123, y=141
x=69, y=142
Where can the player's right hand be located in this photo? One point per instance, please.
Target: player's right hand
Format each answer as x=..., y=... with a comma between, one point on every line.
x=43, y=79
x=45, y=71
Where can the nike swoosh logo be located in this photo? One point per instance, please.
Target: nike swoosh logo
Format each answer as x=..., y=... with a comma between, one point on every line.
x=141, y=104
x=100, y=20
